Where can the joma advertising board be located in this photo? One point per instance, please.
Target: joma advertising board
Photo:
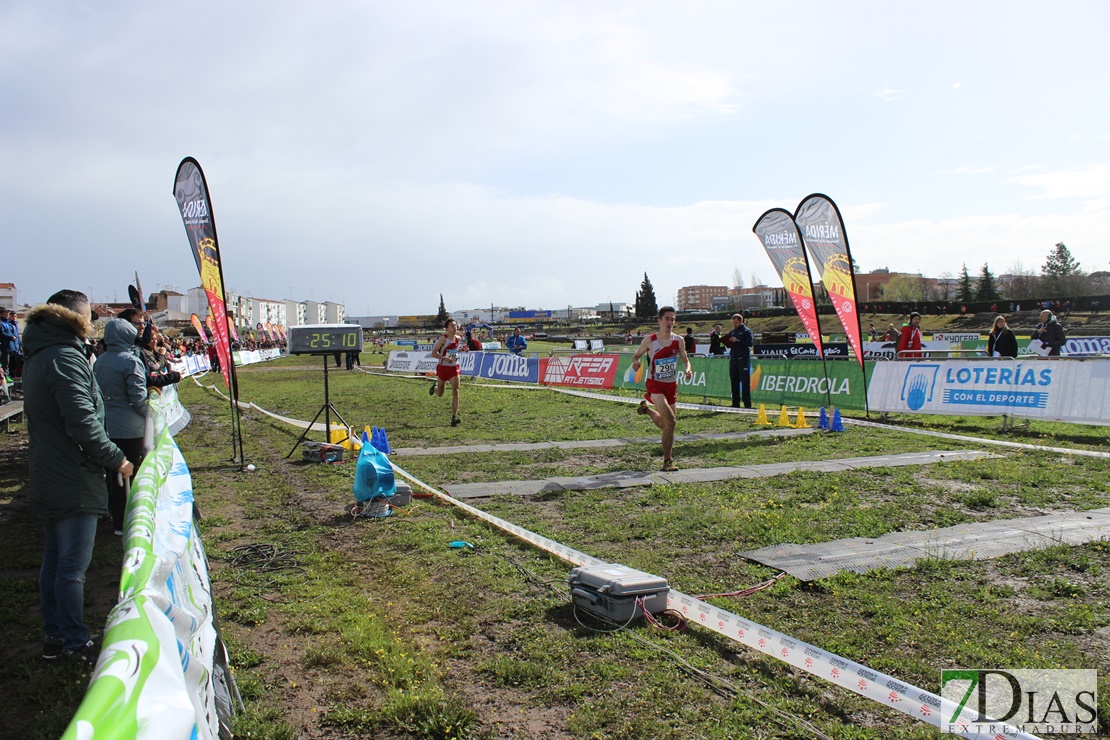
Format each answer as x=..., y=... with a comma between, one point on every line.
x=1075, y=347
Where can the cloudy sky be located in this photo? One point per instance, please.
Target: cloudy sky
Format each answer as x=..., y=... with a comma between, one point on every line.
x=542, y=154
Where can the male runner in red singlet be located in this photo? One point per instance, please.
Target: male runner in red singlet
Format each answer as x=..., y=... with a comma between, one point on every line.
x=664, y=350
x=446, y=350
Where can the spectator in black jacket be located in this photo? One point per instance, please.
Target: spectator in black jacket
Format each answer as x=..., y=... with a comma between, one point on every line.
x=715, y=346
x=1002, y=342
x=159, y=374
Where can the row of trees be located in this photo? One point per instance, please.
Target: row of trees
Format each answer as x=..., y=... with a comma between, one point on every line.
x=1061, y=276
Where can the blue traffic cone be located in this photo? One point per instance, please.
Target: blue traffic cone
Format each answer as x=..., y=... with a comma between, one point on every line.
x=837, y=422
x=377, y=441
x=385, y=443
x=365, y=439
x=823, y=420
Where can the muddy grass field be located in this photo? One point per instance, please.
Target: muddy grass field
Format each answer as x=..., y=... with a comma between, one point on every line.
x=345, y=628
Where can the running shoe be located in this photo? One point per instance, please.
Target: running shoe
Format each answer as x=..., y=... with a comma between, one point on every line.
x=432, y=389
x=642, y=409
x=669, y=466
x=455, y=421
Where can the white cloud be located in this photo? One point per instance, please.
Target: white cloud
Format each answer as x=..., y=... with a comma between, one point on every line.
x=353, y=148
x=888, y=94
x=1085, y=182
x=970, y=170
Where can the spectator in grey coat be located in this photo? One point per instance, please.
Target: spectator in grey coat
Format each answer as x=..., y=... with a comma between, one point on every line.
x=122, y=377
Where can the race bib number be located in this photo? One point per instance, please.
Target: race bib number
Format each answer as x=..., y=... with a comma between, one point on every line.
x=665, y=368
x=452, y=356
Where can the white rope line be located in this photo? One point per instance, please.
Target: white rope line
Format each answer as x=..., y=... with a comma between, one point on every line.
x=982, y=440
x=863, y=423
x=855, y=677
x=848, y=674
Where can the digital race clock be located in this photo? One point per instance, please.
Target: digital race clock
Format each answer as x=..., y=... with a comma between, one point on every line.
x=324, y=339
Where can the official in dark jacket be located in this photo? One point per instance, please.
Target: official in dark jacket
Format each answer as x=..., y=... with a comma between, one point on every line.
x=1050, y=334
x=68, y=453
x=122, y=377
x=740, y=341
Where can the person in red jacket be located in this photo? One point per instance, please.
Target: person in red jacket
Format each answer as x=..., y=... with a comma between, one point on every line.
x=911, y=337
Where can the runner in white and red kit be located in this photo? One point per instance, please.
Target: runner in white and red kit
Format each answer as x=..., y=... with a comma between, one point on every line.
x=446, y=350
x=664, y=351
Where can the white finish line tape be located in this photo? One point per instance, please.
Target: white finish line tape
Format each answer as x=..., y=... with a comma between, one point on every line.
x=848, y=674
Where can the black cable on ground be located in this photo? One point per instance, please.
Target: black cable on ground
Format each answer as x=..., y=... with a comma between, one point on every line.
x=265, y=558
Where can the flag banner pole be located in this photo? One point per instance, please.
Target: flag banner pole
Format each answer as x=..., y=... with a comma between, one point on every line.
x=780, y=238
x=822, y=228
x=195, y=321
x=190, y=190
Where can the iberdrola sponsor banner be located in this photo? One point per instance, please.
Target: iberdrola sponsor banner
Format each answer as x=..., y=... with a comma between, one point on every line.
x=162, y=671
x=779, y=235
x=807, y=384
x=191, y=192
x=819, y=221
x=1053, y=390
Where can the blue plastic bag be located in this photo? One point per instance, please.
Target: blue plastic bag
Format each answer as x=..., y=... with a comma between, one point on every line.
x=373, y=474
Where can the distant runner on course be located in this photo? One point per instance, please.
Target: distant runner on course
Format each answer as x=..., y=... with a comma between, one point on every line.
x=664, y=350
x=446, y=350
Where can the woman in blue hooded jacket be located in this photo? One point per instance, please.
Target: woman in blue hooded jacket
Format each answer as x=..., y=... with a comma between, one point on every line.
x=121, y=375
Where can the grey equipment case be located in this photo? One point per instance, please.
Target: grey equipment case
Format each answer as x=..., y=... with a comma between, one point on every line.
x=610, y=591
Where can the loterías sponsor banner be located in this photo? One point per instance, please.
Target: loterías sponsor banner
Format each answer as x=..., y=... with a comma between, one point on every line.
x=1049, y=390
x=779, y=235
x=589, y=371
x=191, y=192
x=822, y=229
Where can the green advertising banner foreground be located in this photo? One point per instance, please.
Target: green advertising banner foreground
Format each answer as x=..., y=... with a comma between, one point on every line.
x=796, y=382
x=162, y=671
x=803, y=383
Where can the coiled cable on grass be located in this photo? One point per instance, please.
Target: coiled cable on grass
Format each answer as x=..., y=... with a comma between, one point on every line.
x=263, y=557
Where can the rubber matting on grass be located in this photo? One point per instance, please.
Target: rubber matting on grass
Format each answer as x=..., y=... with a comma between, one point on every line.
x=977, y=541
x=627, y=478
